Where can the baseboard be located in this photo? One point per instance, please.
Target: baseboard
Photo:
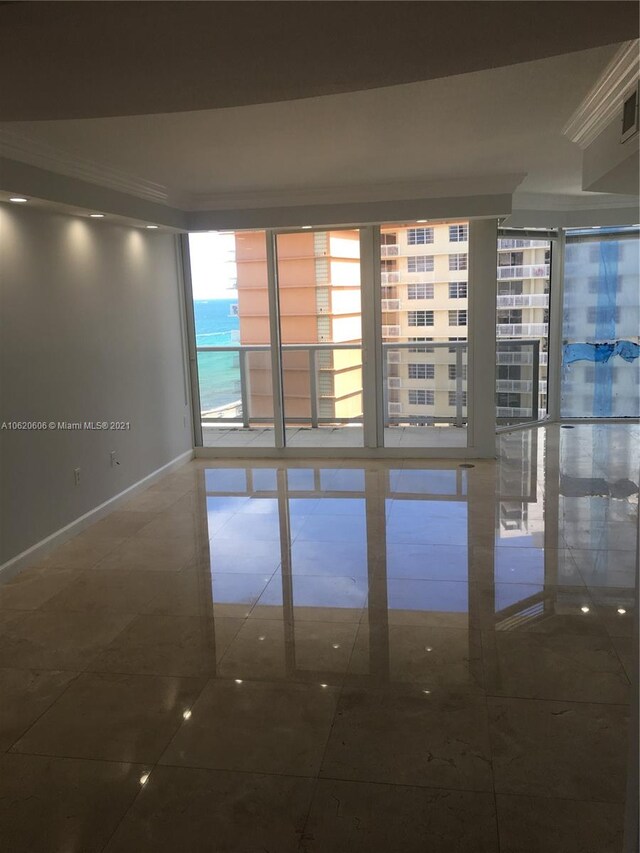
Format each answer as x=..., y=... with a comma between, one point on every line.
x=40, y=549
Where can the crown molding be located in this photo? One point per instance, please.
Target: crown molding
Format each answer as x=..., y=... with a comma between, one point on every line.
x=604, y=100
x=354, y=194
x=571, y=204
x=17, y=146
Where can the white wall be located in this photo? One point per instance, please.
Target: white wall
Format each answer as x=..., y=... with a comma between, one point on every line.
x=89, y=331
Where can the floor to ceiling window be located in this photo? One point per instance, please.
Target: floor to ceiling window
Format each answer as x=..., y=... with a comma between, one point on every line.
x=601, y=323
x=338, y=337
x=319, y=306
x=522, y=328
x=231, y=317
x=425, y=318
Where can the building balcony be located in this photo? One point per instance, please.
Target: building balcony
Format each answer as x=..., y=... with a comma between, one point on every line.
x=391, y=331
x=513, y=412
x=504, y=244
x=390, y=304
x=520, y=386
x=389, y=251
x=526, y=271
x=523, y=300
x=522, y=330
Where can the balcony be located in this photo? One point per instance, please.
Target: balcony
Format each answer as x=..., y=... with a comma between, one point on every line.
x=390, y=304
x=389, y=251
x=526, y=271
x=523, y=300
x=390, y=277
x=520, y=386
x=511, y=412
x=522, y=330
x=391, y=331
x=504, y=244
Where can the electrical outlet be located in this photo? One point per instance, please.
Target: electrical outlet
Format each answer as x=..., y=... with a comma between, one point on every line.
x=113, y=456
x=76, y=476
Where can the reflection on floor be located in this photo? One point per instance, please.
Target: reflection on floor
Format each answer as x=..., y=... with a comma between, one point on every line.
x=334, y=437
x=333, y=657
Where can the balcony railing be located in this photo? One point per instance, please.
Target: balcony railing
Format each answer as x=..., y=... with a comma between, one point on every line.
x=391, y=331
x=389, y=251
x=511, y=413
x=523, y=300
x=521, y=386
x=441, y=409
x=521, y=244
x=390, y=304
x=522, y=330
x=526, y=271
x=239, y=412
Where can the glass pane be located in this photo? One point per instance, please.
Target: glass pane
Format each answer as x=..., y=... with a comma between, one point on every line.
x=601, y=321
x=424, y=333
x=522, y=329
x=321, y=336
x=231, y=311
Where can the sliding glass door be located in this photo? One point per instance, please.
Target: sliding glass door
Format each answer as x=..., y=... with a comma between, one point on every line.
x=232, y=336
x=522, y=328
x=319, y=308
x=329, y=338
x=425, y=315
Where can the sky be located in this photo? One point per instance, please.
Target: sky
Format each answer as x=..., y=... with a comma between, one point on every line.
x=213, y=268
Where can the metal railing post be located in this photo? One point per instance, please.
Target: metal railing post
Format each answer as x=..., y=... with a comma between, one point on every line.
x=313, y=388
x=244, y=391
x=386, y=417
x=535, y=393
x=458, y=385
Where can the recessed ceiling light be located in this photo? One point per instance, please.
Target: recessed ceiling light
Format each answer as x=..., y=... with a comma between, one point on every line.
x=18, y=199
x=421, y=220
x=621, y=611
x=96, y=216
x=584, y=609
x=151, y=227
x=238, y=680
x=306, y=227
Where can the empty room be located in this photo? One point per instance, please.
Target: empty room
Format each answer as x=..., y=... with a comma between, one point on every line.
x=319, y=426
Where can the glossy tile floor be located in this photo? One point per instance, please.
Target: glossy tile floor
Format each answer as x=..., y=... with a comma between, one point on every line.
x=333, y=657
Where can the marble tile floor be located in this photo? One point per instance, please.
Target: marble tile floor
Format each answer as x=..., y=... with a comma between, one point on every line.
x=322, y=657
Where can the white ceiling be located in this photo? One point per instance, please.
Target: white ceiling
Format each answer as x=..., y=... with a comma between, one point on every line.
x=495, y=129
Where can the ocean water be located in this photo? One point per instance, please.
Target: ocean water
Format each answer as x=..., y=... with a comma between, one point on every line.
x=219, y=372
